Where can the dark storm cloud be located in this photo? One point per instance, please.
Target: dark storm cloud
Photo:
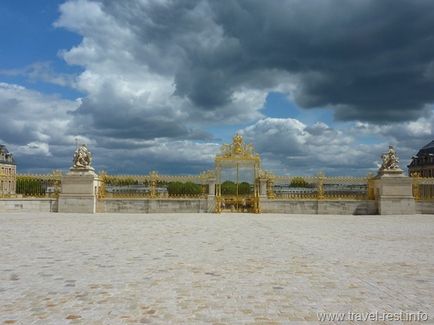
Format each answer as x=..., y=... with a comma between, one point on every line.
x=156, y=74
x=112, y=117
x=369, y=60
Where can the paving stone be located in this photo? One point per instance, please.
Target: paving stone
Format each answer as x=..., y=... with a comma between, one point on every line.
x=211, y=269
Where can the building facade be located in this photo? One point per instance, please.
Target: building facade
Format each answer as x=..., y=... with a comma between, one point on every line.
x=422, y=165
x=423, y=162
x=8, y=172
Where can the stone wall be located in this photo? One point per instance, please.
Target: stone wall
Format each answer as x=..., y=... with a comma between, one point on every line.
x=425, y=207
x=203, y=205
x=152, y=205
x=267, y=206
x=289, y=206
x=28, y=205
x=319, y=207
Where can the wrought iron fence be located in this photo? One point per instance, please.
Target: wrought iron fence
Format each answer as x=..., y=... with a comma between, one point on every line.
x=153, y=185
x=423, y=187
x=38, y=185
x=320, y=187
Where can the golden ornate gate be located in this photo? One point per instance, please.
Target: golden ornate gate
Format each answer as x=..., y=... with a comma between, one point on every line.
x=237, y=171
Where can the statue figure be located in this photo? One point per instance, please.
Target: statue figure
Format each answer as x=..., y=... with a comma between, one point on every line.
x=390, y=160
x=82, y=158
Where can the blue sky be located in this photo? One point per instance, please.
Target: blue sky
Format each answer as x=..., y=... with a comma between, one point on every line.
x=164, y=84
x=27, y=29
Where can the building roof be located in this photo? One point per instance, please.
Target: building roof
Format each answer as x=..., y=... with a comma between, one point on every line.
x=5, y=156
x=426, y=150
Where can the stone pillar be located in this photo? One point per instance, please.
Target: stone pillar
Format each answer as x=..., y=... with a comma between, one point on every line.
x=211, y=195
x=263, y=187
x=270, y=187
x=320, y=186
x=79, y=191
x=211, y=186
x=394, y=193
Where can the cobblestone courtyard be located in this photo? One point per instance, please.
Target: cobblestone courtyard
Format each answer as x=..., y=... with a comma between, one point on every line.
x=217, y=269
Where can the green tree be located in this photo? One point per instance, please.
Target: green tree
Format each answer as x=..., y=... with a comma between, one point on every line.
x=179, y=188
x=192, y=188
x=244, y=188
x=229, y=188
x=299, y=182
x=29, y=186
x=174, y=188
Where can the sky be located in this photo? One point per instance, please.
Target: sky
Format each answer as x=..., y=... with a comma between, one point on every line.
x=318, y=85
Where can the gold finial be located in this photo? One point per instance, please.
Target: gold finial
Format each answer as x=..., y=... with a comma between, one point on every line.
x=237, y=138
x=237, y=142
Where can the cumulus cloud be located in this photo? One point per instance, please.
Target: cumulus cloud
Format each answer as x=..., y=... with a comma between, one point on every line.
x=295, y=148
x=130, y=81
x=369, y=61
x=292, y=147
x=36, y=127
x=163, y=155
x=41, y=131
x=42, y=71
x=29, y=116
x=408, y=137
x=34, y=149
x=158, y=75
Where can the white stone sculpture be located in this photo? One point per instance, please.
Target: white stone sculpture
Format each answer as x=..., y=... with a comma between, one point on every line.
x=82, y=158
x=390, y=160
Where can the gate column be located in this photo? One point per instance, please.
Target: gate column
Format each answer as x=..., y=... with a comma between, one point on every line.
x=263, y=186
x=394, y=189
x=80, y=186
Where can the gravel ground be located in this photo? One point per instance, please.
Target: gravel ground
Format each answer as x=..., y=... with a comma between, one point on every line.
x=212, y=269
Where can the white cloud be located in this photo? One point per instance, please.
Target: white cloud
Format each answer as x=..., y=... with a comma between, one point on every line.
x=139, y=74
x=41, y=71
x=28, y=116
x=37, y=127
x=34, y=149
x=290, y=146
x=408, y=137
x=157, y=73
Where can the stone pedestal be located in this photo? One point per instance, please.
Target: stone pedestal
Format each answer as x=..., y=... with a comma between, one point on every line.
x=79, y=191
x=394, y=193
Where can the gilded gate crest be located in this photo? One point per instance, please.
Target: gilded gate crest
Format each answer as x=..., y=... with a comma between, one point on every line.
x=237, y=150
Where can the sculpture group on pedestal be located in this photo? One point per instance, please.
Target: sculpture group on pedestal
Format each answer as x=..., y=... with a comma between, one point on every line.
x=80, y=185
x=390, y=160
x=390, y=164
x=393, y=188
x=82, y=158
